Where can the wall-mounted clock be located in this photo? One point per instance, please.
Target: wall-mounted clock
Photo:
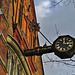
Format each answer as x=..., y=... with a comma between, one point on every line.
x=64, y=46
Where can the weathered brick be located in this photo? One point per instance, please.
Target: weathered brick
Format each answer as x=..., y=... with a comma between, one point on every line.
x=2, y=72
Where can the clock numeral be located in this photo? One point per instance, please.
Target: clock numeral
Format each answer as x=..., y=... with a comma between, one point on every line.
x=58, y=42
x=64, y=49
x=64, y=38
x=70, y=42
x=57, y=45
x=67, y=39
x=68, y=48
x=60, y=39
x=60, y=49
x=70, y=45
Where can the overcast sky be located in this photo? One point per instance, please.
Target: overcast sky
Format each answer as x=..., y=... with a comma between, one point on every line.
x=64, y=18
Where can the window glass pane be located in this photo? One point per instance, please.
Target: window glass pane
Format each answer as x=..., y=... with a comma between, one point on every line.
x=11, y=66
x=17, y=71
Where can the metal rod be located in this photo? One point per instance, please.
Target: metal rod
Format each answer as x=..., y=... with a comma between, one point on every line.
x=44, y=37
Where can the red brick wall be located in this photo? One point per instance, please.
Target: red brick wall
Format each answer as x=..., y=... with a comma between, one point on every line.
x=3, y=50
x=3, y=26
x=5, y=5
x=2, y=72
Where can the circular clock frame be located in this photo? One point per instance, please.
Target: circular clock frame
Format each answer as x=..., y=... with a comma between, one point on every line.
x=64, y=44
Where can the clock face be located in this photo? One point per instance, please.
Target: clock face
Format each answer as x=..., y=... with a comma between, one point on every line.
x=64, y=44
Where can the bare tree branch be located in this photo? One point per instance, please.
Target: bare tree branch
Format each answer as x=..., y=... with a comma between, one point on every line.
x=54, y=4
x=60, y=61
x=65, y=2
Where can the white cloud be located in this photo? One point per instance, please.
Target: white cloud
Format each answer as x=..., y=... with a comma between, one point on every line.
x=46, y=3
x=41, y=11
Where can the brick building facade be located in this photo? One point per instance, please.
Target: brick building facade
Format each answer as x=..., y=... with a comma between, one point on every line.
x=16, y=35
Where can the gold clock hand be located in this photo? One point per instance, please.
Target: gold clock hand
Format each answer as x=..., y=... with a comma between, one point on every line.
x=64, y=41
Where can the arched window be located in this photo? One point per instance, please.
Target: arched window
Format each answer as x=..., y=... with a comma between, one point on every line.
x=11, y=66
x=17, y=71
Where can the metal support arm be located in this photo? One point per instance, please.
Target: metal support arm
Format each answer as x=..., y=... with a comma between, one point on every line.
x=38, y=51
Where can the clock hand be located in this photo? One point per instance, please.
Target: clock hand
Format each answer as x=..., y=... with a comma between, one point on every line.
x=64, y=41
